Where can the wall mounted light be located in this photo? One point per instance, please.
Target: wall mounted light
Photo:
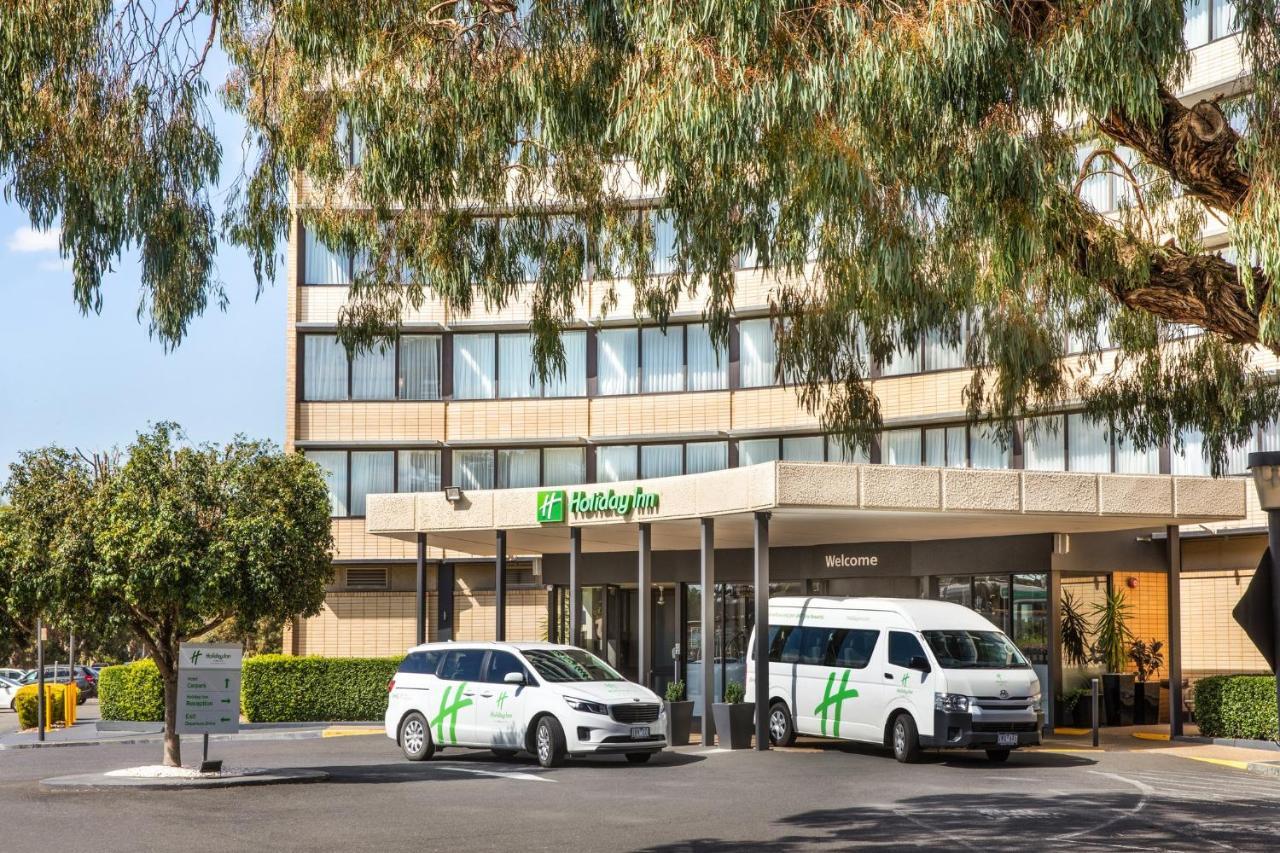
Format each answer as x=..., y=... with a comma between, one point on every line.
x=452, y=494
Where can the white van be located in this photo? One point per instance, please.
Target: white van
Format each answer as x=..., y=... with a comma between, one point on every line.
x=906, y=673
x=546, y=699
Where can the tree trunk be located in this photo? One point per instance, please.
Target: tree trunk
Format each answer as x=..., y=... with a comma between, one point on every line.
x=172, y=742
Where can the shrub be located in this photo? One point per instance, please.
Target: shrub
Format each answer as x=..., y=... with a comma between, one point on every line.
x=734, y=692
x=282, y=688
x=134, y=691
x=1237, y=706
x=26, y=702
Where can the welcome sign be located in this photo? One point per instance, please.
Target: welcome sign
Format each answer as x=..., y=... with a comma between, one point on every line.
x=552, y=505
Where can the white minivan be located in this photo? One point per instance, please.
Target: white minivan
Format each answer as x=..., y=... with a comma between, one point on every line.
x=906, y=673
x=550, y=700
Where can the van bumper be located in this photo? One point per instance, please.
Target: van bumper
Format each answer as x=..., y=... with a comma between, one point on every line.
x=957, y=731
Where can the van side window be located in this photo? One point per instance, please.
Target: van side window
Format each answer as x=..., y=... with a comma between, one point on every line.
x=853, y=647
x=791, y=651
x=815, y=645
x=501, y=663
x=462, y=665
x=903, y=647
x=421, y=663
x=778, y=635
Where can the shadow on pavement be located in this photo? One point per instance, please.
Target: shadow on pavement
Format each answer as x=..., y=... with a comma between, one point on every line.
x=423, y=771
x=959, y=759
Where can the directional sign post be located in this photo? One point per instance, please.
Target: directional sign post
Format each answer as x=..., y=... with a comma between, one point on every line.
x=209, y=692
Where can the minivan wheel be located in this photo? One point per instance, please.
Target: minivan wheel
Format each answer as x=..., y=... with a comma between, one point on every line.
x=415, y=738
x=549, y=742
x=906, y=740
x=781, y=730
x=998, y=755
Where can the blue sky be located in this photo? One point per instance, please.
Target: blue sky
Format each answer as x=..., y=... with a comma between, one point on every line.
x=94, y=381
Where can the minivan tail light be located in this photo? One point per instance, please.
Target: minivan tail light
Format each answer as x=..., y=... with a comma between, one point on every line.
x=391, y=685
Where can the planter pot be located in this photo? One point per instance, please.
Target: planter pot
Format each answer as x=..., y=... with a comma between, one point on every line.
x=1117, y=695
x=679, y=723
x=735, y=724
x=1146, y=702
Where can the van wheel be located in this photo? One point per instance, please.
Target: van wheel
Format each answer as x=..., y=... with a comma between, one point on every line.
x=781, y=730
x=415, y=738
x=504, y=754
x=638, y=757
x=549, y=740
x=906, y=740
x=997, y=755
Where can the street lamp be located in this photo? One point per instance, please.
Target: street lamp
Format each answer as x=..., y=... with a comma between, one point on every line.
x=1266, y=479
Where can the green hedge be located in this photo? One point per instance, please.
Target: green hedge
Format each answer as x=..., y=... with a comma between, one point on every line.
x=133, y=691
x=282, y=688
x=27, y=700
x=1237, y=706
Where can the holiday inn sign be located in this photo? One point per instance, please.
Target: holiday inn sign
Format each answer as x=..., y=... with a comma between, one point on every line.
x=552, y=505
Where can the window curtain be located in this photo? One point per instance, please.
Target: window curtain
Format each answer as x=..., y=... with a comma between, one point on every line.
x=420, y=367
x=661, y=460
x=324, y=365
x=564, y=466
x=1224, y=18
x=708, y=366
x=515, y=366
x=753, y=451
x=373, y=374
x=806, y=448
x=663, y=354
x=573, y=382
x=703, y=456
x=1044, y=444
x=617, y=361
x=838, y=451
x=473, y=362
x=956, y=444
x=758, y=355
x=900, y=447
x=664, y=243
x=372, y=473
x=518, y=468
x=1131, y=460
x=1096, y=189
x=985, y=450
x=935, y=447
x=1271, y=435
x=616, y=462
x=323, y=265
x=1195, y=26
x=902, y=362
x=938, y=355
x=419, y=471
x=473, y=469
x=1089, y=444
x=333, y=469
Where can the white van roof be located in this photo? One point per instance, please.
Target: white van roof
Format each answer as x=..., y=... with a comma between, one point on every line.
x=920, y=613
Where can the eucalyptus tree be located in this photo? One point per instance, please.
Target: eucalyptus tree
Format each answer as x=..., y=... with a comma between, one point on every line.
x=902, y=168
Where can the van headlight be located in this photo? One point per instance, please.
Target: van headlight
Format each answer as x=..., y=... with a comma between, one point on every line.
x=954, y=703
x=586, y=706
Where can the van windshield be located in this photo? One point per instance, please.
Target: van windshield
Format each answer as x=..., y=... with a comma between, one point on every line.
x=564, y=665
x=974, y=650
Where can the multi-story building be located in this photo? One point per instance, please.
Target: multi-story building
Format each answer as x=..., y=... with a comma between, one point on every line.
x=453, y=405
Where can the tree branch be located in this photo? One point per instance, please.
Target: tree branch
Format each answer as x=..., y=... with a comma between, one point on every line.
x=209, y=626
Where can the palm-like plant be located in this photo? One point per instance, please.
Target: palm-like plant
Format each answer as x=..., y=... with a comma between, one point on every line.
x=1074, y=631
x=1111, y=631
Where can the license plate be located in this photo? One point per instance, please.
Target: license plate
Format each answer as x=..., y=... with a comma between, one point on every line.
x=639, y=732
x=1009, y=739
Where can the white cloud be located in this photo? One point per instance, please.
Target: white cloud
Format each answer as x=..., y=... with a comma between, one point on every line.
x=27, y=239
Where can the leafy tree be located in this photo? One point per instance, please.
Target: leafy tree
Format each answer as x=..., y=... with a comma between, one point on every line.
x=923, y=155
x=172, y=542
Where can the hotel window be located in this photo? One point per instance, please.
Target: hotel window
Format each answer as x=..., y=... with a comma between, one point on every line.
x=708, y=367
x=333, y=469
x=679, y=358
x=418, y=471
x=324, y=266
x=372, y=375
x=1088, y=445
x=753, y=451
x=805, y=448
x=663, y=259
x=985, y=449
x=1191, y=460
x=900, y=447
x=473, y=366
x=944, y=447
x=419, y=377
x=325, y=368
x=518, y=468
x=473, y=469
x=839, y=451
x=661, y=460
x=1106, y=185
x=372, y=473
x=564, y=466
x=616, y=462
x=703, y=456
x=1131, y=460
x=348, y=141
x=1044, y=444
x=928, y=353
x=758, y=355
x=1208, y=20
x=617, y=361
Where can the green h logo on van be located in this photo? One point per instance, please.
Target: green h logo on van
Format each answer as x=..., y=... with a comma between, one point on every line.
x=834, y=698
x=449, y=711
x=550, y=507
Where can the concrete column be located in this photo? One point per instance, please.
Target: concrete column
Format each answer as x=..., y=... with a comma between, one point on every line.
x=500, y=586
x=707, y=619
x=420, y=590
x=575, y=591
x=760, y=655
x=1174, y=543
x=1054, y=687
x=644, y=604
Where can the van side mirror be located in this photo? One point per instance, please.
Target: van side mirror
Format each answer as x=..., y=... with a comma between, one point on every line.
x=920, y=663
x=513, y=678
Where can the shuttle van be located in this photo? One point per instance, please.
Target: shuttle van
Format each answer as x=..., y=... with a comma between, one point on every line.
x=905, y=673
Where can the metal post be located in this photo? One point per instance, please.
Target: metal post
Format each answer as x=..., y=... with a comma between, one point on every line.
x=575, y=592
x=644, y=606
x=1174, y=542
x=500, y=584
x=204, y=757
x=1273, y=544
x=421, y=590
x=1093, y=699
x=760, y=657
x=40, y=708
x=707, y=620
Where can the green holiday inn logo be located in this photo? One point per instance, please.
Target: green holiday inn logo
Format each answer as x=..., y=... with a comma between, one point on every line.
x=833, y=702
x=552, y=505
x=449, y=713
x=195, y=657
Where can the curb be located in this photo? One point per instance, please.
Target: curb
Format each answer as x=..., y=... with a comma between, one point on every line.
x=103, y=782
x=1227, y=741
x=308, y=734
x=1264, y=768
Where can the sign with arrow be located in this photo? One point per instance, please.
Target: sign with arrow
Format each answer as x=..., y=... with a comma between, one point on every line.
x=1254, y=612
x=209, y=688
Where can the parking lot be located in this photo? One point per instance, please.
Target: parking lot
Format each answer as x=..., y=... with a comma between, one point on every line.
x=818, y=796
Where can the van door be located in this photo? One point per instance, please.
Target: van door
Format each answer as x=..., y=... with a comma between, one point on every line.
x=453, y=717
x=852, y=686
x=904, y=686
x=500, y=721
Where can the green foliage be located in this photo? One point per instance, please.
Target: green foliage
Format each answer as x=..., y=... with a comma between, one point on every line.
x=1237, y=706
x=26, y=703
x=280, y=688
x=733, y=692
x=1072, y=697
x=132, y=691
x=1073, y=630
x=675, y=691
x=1111, y=631
x=1147, y=657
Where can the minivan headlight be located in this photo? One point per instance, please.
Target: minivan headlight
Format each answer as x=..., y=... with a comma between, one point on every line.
x=586, y=706
x=955, y=703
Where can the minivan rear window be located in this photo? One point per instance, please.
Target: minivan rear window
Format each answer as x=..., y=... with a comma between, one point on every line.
x=849, y=648
x=421, y=663
x=974, y=650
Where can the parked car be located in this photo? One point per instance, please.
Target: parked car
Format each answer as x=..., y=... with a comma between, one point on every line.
x=8, y=690
x=86, y=681
x=550, y=700
x=13, y=674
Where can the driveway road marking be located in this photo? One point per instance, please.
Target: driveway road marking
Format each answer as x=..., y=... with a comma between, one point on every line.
x=500, y=774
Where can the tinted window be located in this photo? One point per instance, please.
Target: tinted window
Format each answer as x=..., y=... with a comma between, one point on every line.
x=566, y=665
x=778, y=635
x=815, y=645
x=791, y=649
x=462, y=665
x=423, y=663
x=974, y=650
x=853, y=647
x=501, y=663
x=903, y=647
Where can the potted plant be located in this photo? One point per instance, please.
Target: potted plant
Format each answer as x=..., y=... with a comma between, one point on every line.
x=1074, y=631
x=735, y=719
x=1111, y=649
x=1075, y=709
x=679, y=715
x=1147, y=659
